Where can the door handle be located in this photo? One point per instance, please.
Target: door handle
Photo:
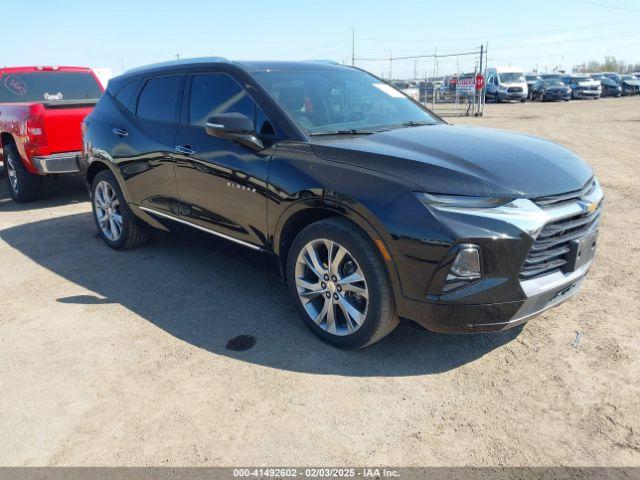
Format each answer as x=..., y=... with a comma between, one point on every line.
x=185, y=149
x=120, y=132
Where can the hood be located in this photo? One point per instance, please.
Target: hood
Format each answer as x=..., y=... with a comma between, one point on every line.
x=461, y=160
x=634, y=82
x=588, y=83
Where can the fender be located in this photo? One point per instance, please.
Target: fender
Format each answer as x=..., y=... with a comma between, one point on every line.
x=369, y=224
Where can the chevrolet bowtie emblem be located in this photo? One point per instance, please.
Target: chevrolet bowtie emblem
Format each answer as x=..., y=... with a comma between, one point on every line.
x=590, y=207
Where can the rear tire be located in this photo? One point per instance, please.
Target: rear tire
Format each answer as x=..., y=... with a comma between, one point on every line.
x=23, y=185
x=116, y=223
x=353, y=257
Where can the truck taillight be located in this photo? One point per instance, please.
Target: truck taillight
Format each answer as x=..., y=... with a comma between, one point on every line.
x=35, y=131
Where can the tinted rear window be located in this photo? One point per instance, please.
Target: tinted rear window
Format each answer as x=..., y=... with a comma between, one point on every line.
x=48, y=86
x=125, y=94
x=158, y=99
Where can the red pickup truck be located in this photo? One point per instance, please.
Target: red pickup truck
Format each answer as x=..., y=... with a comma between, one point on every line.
x=41, y=109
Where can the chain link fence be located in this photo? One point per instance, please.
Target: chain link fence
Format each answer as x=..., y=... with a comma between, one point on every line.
x=450, y=84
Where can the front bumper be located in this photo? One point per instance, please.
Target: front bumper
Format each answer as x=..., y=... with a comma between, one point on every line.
x=68, y=162
x=557, y=95
x=543, y=293
x=510, y=297
x=586, y=93
x=506, y=96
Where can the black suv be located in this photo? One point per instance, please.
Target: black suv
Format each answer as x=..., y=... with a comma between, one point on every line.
x=372, y=206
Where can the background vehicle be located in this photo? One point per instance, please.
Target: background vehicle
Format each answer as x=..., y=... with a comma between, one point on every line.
x=583, y=86
x=410, y=89
x=610, y=88
x=532, y=78
x=40, y=113
x=506, y=83
x=548, y=90
x=372, y=207
x=630, y=85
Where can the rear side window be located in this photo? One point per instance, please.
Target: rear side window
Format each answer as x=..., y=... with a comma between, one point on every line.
x=159, y=98
x=48, y=86
x=125, y=94
x=212, y=94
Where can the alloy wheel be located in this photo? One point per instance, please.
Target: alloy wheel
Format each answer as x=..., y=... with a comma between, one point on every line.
x=108, y=212
x=12, y=175
x=332, y=287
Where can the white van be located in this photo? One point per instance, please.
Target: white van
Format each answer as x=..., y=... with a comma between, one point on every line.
x=506, y=83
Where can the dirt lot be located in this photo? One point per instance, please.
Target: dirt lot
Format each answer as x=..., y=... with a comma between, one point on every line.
x=111, y=358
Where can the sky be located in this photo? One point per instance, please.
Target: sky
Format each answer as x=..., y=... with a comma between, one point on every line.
x=123, y=34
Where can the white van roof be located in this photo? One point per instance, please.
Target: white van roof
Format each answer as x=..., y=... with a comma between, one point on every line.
x=507, y=69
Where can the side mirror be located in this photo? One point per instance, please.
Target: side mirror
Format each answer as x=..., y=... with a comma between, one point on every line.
x=236, y=127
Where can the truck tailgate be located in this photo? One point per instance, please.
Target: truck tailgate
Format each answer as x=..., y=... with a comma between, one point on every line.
x=62, y=124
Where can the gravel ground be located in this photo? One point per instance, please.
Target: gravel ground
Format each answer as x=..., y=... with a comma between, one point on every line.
x=110, y=358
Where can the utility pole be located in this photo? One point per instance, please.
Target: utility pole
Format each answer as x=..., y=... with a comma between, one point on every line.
x=353, y=47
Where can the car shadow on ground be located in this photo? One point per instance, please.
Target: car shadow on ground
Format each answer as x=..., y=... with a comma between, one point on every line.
x=207, y=292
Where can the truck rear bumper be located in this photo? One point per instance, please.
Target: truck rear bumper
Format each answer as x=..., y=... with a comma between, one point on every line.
x=67, y=162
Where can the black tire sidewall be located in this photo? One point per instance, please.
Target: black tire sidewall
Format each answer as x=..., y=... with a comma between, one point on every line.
x=375, y=284
x=127, y=216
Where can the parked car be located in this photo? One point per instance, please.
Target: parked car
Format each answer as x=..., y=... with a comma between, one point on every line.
x=40, y=113
x=610, y=88
x=371, y=206
x=613, y=76
x=410, y=89
x=583, y=86
x=630, y=85
x=551, y=76
x=506, y=83
x=532, y=78
x=549, y=90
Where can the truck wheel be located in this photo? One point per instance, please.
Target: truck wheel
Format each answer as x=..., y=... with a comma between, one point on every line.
x=339, y=284
x=23, y=186
x=116, y=223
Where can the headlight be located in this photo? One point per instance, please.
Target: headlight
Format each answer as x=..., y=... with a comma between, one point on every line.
x=460, y=201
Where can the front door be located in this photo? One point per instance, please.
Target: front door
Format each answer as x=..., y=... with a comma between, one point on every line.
x=222, y=185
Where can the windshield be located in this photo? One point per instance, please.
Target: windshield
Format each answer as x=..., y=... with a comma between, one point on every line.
x=548, y=76
x=508, y=77
x=339, y=99
x=581, y=79
x=553, y=83
x=48, y=86
x=532, y=78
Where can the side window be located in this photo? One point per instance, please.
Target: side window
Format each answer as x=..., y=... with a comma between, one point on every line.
x=125, y=94
x=158, y=99
x=216, y=93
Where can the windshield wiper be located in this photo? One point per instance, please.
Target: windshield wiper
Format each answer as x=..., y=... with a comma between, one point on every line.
x=352, y=131
x=416, y=124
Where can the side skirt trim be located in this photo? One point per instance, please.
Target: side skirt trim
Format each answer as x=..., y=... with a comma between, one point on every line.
x=198, y=227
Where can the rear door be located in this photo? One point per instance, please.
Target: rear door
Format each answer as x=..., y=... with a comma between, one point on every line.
x=145, y=139
x=223, y=185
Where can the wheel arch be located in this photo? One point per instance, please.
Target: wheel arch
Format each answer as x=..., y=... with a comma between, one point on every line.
x=305, y=212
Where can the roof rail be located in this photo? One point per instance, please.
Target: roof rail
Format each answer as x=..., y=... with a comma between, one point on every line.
x=179, y=61
x=326, y=62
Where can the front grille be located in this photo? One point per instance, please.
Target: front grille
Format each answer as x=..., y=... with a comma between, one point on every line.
x=514, y=90
x=549, y=251
x=553, y=201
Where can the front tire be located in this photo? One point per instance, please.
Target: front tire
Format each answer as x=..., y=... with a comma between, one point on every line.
x=116, y=223
x=23, y=185
x=339, y=284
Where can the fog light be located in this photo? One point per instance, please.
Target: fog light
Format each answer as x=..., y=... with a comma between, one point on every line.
x=465, y=269
x=467, y=263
